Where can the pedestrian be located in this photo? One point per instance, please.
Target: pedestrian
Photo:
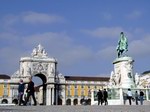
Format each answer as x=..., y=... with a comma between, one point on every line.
x=30, y=91
x=136, y=97
x=124, y=98
x=21, y=92
x=100, y=97
x=129, y=93
x=141, y=97
x=105, y=95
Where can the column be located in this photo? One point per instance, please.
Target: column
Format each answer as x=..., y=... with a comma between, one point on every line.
x=147, y=94
x=56, y=94
x=48, y=95
x=52, y=96
x=63, y=93
x=10, y=95
x=72, y=101
x=79, y=101
x=92, y=96
x=121, y=96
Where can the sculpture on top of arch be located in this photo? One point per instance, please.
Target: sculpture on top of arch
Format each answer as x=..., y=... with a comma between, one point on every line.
x=39, y=51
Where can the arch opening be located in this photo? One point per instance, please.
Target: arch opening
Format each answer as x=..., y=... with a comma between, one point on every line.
x=4, y=101
x=40, y=88
x=75, y=102
x=68, y=102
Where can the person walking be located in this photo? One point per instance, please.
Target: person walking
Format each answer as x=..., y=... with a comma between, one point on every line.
x=30, y=91
x=141, y=97
x=100, y=97
x=136, y=97
x=124, y=98
x=129, y=93
x=21, y=92
x=105, y=93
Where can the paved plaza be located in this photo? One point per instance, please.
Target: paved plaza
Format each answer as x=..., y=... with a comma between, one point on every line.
x=109, y=108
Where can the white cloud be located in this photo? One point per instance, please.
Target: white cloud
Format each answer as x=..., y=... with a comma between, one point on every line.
x=105, y=32
x=30, y=17
x=137, y=48
x=107, y=53
x=140, y=48
x=134, y=15
x=76, y=54
x=10, y=19
x=36, y=18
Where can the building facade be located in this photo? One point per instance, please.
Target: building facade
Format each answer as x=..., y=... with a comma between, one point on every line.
x=78, y=89
x=56, y=89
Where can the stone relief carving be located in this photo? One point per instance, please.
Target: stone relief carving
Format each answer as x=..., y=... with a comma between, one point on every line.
x=115, y=79
x=28, y=70
x=40, y=67
x=22, y=71
x=118, y=77
x=128, y=65
x=112, y=79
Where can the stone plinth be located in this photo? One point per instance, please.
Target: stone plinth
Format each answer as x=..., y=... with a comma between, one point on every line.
x=123, y=72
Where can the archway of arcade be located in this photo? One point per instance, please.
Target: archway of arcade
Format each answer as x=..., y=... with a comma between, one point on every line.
x=40, y=88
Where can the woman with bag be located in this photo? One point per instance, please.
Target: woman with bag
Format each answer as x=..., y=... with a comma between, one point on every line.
x=129, y=93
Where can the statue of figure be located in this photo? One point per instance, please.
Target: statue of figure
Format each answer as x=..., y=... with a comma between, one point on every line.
x=112, y=79
x=137, y=79
x=118, y=77
x=122, y=45
x=34, y=52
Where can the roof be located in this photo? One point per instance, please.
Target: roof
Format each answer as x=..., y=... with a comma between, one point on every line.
x=4, y=76
x=146, y=72
x=81, y=78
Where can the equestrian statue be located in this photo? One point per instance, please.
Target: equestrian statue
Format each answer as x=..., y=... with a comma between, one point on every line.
x=122, y=46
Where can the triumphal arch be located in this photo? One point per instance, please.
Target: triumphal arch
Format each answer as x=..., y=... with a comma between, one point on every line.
x=40, y=65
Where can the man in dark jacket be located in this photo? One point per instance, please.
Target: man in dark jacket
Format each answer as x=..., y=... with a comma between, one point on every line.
x=21, y=91
x=105, y=97
x=30, y=91
x=100, y=97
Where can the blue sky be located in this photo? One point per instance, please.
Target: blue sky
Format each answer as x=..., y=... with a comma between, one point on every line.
x=81, y=34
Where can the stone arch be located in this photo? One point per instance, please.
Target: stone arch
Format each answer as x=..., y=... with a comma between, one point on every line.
x=39, y=64
x=68, y=102
x=75, y=102
x=4, y=101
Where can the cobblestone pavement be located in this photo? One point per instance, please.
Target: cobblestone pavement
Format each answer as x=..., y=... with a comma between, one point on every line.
x=108, y=108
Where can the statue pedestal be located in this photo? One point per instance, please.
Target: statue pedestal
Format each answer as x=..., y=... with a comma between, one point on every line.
x=123, y=72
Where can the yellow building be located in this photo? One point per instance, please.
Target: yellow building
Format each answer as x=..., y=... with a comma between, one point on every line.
x=78, y=89
x=4, y=88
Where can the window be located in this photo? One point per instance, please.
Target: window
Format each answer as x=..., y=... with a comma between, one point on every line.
x=75, y=86
x=5, y=89
x=76, y=93
x=68, y=93
x=82, y=86
x=68, y=86
x=82, y=92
